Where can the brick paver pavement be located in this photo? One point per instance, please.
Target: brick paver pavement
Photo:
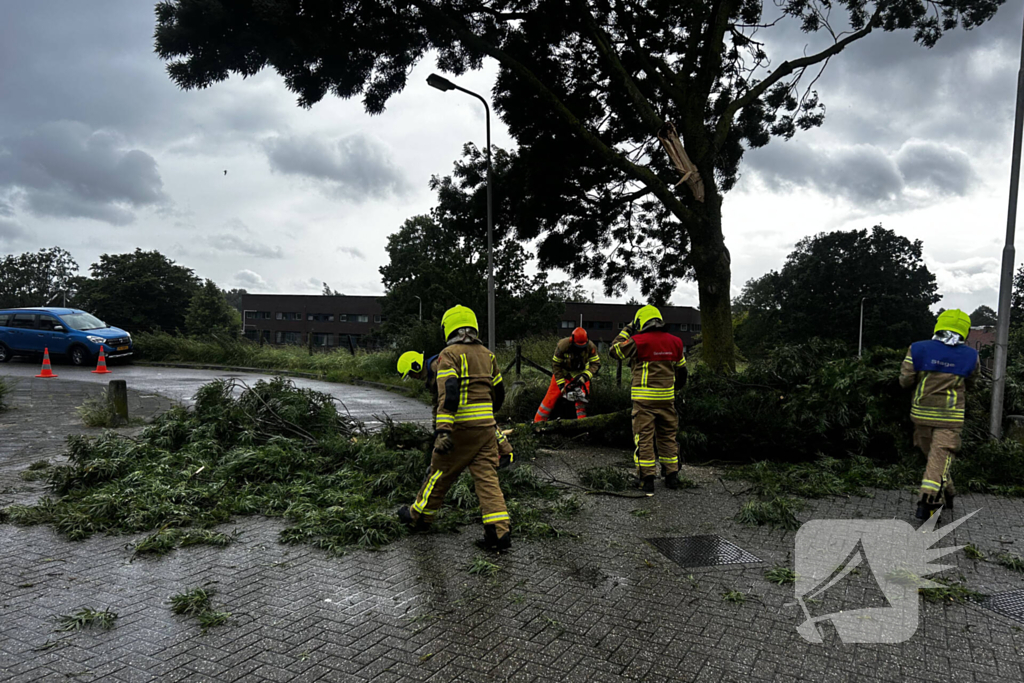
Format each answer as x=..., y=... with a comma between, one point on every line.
x=598, y=604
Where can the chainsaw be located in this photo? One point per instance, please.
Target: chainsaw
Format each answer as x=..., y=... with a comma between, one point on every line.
x=576, y=392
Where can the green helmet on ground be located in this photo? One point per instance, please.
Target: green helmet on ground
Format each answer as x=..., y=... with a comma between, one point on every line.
x=457, y=317
x=954, y=320
x=646, y=315
x=410, y=361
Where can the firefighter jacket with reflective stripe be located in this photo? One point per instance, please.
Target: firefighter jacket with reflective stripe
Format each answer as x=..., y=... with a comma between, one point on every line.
x=469, y=387
x=940, y=375
x=571, y=362
x=654, y=358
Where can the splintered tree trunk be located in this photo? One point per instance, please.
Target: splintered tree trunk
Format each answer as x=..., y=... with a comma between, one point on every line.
x=712, y=266
x=117, y=394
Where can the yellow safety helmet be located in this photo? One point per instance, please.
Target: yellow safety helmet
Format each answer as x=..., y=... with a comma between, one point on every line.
x=457, y=317
x=410, y=361
x=644, y=316
x=954, y=320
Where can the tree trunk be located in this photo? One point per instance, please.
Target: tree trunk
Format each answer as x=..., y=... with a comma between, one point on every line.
x=712, y=266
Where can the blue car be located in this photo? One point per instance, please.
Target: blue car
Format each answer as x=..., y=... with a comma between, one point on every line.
x=69, y=332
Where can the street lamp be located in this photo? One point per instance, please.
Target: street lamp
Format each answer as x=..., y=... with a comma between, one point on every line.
x=860, y=340
x=995, y=425
x=421, y=306
x=445, y=85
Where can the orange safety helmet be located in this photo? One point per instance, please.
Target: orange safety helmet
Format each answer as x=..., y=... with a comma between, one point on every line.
x=579, y=337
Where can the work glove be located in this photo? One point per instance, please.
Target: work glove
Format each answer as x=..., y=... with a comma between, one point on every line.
x=443, y=442
x=506, y=460
x=629, y=329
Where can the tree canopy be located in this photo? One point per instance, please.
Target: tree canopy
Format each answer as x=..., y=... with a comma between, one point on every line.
x=209, y=314
x=138, y=291
x=42, y=278
x=587, y=88
x=819, y=290
x=984, y=315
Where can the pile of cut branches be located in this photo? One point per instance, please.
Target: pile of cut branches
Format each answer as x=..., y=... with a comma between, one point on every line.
x=271, y=450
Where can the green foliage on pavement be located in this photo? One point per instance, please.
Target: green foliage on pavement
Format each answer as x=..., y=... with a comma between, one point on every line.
x=272, y=450
x=86, y=618
x=196, y=603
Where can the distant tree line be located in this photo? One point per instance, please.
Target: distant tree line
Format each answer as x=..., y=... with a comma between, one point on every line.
x=137, y=291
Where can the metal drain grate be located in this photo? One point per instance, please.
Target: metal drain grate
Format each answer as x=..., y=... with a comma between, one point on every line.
x=702, y=551
x=1009, y=604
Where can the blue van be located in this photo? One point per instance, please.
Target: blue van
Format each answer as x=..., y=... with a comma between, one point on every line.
x=64, y=331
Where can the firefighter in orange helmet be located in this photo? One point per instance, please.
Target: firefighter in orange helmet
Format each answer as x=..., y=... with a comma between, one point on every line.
x=575, y=363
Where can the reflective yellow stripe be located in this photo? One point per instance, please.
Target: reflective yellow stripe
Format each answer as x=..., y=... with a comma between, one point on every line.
x=464, y=381
x=420, y=505
x=644, y=375
x=908, y=359
x=617, y=350
x=930, y=485
x=495, y=517
x=645, y=463
x=556, y=359
x=445, y=419
x=681, y=363
x=594, y=359
x=495, y=381
x=559, y=382
x=652, y=394
x=450, y=372
x=668, y=460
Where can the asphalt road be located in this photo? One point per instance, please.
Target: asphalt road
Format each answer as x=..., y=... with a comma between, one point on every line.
x=364, y=403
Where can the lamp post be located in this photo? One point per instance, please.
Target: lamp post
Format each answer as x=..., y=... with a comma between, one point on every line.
x=421, y=306
x=444, y=84
x=860, y=340
x=995, y=426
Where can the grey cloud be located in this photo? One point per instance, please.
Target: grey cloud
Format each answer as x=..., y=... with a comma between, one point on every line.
x=933, y=165
x=244, y=245
x=356, y=167
x=10, y=231
x=354, y=252
x=64, y=169
x=864, y=173
x=6, y=209
x=250, y=280
x=861, y=173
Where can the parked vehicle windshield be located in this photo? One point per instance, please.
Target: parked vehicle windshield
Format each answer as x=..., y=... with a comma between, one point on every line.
x=83, y=321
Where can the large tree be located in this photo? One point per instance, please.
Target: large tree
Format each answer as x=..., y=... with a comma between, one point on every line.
x=139, y=291
x=819, y=290
x=585, y=87
x=42, y=278
x=210, y=314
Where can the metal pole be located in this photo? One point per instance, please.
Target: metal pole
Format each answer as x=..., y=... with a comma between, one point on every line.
x=421, y=306
x=860, y=340
x=490, y=240
x=995, y=427
x=444, y=84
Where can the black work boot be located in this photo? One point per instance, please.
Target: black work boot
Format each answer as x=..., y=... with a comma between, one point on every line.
x=672, y=480
x=405, y=517
x=927, y=506
x=647, y=485
x=490, y=541
x=947, y=499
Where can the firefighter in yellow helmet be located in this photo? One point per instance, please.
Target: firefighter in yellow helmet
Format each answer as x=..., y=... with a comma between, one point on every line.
x=940, y=369
x=659, y=372
x=412, y=364
x=469, y=390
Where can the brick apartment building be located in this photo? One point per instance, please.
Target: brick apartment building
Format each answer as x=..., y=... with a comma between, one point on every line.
x=346, y=320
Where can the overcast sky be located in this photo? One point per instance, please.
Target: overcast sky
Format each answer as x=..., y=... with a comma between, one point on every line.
x=101, y=153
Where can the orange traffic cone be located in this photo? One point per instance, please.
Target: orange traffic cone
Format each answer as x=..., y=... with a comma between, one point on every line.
x=46, y=365
x=101, y=365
